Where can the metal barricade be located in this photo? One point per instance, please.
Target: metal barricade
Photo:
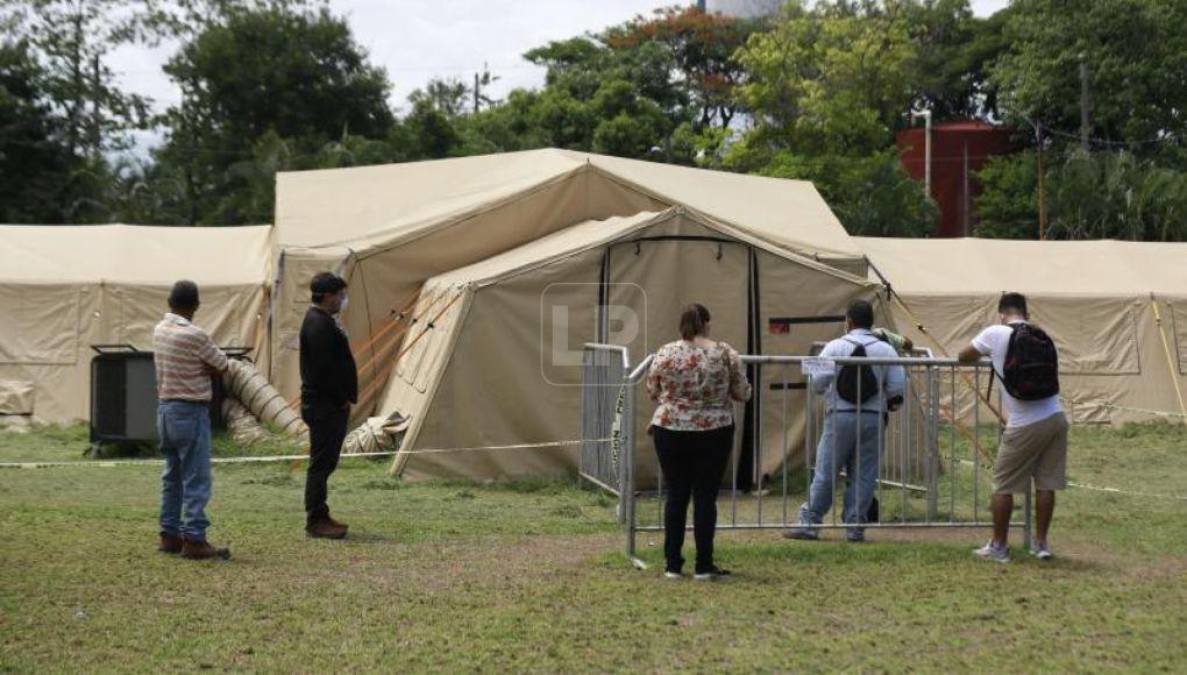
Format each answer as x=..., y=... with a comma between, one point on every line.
x=934, y=453
x=604, y=413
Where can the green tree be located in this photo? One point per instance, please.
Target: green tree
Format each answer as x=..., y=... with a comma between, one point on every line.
x=1117, y=195
x=427, y=133
x=258, y=81
x=834, y=80
x=1135, y=52
x=1100, y=195
x=954, y=51
x=1007, y=207
x=826, y=88
x=701, y=48
x=37, y=166
x=73, y=39
x=872, y=196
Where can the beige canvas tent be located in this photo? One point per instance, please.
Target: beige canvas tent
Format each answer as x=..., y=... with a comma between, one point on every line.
x=493, y=358
x=65, y=288
x=1116, y=310
x=390, y=228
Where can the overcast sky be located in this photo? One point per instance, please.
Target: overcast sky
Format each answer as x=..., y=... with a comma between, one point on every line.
x=417, y=40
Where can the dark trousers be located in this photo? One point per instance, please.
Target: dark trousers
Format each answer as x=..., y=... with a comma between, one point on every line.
x=693, y=463
x=327, y=430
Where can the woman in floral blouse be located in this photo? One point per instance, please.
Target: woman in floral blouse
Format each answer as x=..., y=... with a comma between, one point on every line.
x=695, y=381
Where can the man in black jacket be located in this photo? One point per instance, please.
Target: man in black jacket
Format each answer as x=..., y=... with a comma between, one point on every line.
x=329, y=385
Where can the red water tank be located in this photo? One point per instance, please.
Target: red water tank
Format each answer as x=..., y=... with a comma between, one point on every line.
x=958, y=150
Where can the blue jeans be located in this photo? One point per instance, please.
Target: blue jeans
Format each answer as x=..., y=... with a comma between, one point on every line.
x=839, y=449
x=183, y=428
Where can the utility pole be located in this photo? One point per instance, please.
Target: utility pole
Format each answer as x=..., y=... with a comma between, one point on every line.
x=1042, y=195
x=926, y=115
x=1085, y=104
x=964, y=190
x=96, y=112
x=481, y=80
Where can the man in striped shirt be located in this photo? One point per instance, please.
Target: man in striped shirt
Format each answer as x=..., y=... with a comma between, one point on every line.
x=186, y=358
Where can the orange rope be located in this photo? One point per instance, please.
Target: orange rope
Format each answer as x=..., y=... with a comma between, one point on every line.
x=399, y=334
x=371, y=388
x=394, y=321
x=397, y=320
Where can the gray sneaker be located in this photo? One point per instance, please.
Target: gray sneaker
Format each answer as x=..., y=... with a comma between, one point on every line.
x=855, y=536
x=1041, y=551
x=802, y=533
x=994, y=553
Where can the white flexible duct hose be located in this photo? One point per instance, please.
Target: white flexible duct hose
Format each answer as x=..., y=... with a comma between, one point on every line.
x=244, y=427
x=252, y=389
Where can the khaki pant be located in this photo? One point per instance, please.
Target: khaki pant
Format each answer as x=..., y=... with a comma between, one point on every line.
x=1036, y=450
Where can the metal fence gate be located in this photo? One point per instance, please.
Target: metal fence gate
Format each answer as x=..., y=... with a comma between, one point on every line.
x=605, y=409
x=934, y=463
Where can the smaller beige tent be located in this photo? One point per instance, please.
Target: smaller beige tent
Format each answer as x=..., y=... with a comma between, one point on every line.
x=1116, y=310
x=65, y=288
x=491, y=360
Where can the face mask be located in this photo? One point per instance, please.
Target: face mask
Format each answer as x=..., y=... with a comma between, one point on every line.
x=345, y=302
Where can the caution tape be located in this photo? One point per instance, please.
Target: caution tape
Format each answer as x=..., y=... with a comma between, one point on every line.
x=108, y=463
x=1113, y=490
x=1147, y=411
x=1098, y=488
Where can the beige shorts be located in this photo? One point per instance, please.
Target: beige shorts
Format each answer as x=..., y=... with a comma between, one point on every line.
x=1036, y=450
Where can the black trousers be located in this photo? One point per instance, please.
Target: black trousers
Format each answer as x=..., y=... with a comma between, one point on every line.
x=693, y=463
x=327, y=430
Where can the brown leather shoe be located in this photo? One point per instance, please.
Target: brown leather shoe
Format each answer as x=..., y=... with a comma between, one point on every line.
x=330, y=520
x=202, y=550
x=169, y=544
x=326, y=529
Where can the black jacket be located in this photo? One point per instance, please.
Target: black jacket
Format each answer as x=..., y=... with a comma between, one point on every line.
x=328, y=374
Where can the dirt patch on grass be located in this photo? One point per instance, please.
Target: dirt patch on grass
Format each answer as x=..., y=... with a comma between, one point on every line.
x=503, y=562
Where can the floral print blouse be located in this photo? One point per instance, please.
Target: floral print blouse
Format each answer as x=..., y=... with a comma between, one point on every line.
x=694, y=386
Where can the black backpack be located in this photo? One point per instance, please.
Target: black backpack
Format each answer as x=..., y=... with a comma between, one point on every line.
x=849, y=377
x=1031, y=368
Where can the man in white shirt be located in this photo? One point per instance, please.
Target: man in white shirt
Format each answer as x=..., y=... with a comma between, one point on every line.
x=1033, y=445
x=852, y=437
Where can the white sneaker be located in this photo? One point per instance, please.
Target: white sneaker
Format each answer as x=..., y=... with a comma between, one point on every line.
x=674, y=576
x=1041, y=551
x=994, y=553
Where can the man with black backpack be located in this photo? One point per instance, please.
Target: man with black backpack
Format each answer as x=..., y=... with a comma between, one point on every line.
x=1034, y=443
x=858, y=397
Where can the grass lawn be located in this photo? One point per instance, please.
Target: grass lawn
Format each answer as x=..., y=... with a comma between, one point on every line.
x=530, y=576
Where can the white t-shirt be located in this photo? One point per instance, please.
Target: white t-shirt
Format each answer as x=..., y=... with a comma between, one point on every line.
x=993, y=342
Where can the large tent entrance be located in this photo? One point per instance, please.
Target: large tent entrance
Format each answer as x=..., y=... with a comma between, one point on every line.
x=649, y=281
x=646, y=284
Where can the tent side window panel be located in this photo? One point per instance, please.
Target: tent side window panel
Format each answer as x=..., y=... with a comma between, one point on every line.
x=412, y=344
x=1093, y=336
x=226, y=314
x=39, y=325
x=435, y=342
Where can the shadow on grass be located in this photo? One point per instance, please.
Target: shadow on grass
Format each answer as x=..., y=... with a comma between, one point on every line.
x=778, y=558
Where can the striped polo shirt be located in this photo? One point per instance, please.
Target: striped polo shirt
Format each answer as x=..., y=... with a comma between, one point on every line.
x=184, y=355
